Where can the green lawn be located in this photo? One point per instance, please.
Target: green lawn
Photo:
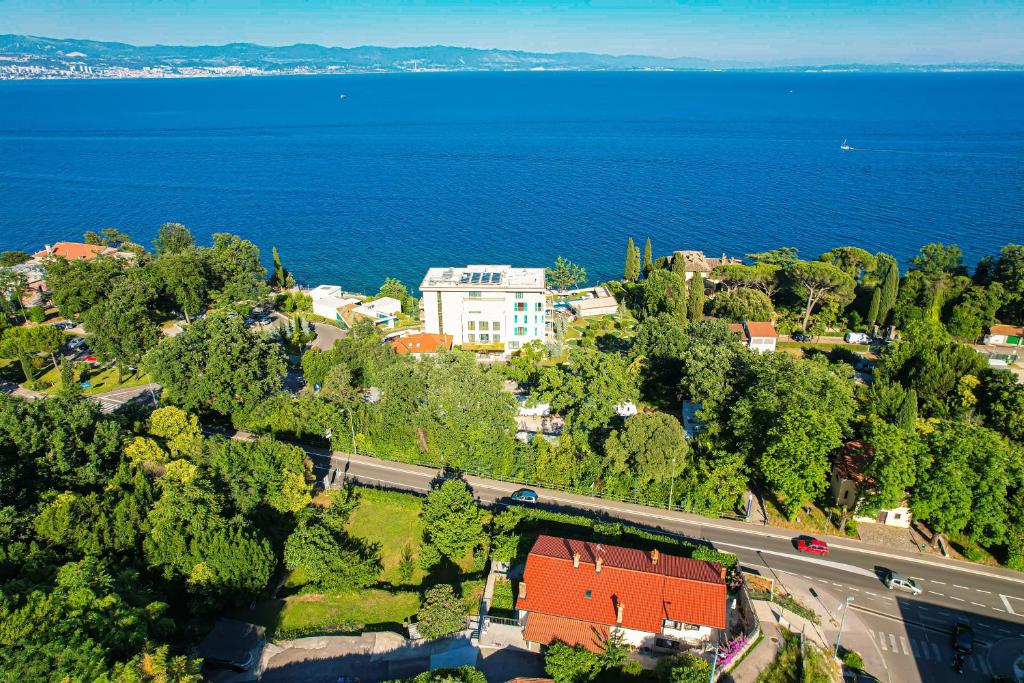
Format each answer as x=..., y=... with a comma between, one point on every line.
x=102, y=381
x=393, y=520
x=819, y=346
x=337, y=613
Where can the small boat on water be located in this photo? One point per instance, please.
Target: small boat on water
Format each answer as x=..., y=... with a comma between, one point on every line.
x=845, y=147
x=342, y=96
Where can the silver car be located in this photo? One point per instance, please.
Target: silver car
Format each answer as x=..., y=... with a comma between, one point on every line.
x=896, y=581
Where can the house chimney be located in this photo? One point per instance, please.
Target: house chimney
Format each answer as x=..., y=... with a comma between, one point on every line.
x=575, y=560
x=722, y=572
x=597, y=564
x=522, y=590
x=618, y=613
x=654, y=556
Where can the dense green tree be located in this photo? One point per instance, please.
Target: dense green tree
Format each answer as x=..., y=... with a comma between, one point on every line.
x=975, y=310
x=853, y=261
x=183, y=275
x=264, y=472
x=892, y=469
x=330, y=558
x=23, y=343
x=217, y=364
x=650, y=447
x=714, y=484
x=906, y=419
x=1008, y=271
x=78, y=285
x=662, y=292
x=688, y=668
x=783, y=257
x=648, y=264
x=13, y=257
x=890, y=278
x=173, y=238
x=1001, y=403
x=462, y=674
x=709, y=354
x=632, y=269
x=441, y=612
x=587, y=389
x=565, y=274
x=742, y=304
x=158, y=665
x=235, y=270
x=12, y=289
x=695, y=300
x=122, y=326
x=874, y=307
x=394, y=288
x=452, y=519
x=571, y=664
x=658, y=344
x=819, y=282
x=795, y=461
x=937, y=258
x=280, y=278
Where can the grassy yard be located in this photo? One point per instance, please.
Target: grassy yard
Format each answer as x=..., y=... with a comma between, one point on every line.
x=102, y=381
x=799, y=349
x=393, y=520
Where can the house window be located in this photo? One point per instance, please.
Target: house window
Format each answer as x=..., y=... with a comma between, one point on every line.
x=587, y=594
x=519, y=295
x=471, y=338
x=897, y=515
x=484, y=325
x=474, y=295
x=496, y=326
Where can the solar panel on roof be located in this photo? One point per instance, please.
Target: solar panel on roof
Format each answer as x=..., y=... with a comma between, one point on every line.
x=496, y=279
x=474, y=279
x=485, y=279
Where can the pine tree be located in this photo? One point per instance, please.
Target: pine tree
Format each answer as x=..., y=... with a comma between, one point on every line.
x=890, y=289
x=632, y=270
x=907, y=417
x=648, y=260
x=696, y=300
x=679, y=265
x=281, y=278
x=876, y=297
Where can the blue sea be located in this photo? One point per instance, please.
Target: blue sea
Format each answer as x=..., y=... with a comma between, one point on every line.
x=413, y=170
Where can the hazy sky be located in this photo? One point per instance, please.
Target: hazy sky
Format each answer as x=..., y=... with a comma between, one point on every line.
x=779, y=32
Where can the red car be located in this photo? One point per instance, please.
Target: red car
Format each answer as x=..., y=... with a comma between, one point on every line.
x=812, y=546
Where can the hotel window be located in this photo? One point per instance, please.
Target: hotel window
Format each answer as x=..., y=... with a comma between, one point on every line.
x=497, y=337
x=538, y=306
x=496, y=325
x=513, y=345
x=520, y=306
x=484, y=338
x=470, y=325
x=515, y=318
x=474, y=295
x=484, y=325
x=471, y=338
x=520, y=331
x=519, y=295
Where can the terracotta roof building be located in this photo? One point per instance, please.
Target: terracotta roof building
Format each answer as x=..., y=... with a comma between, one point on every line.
x=849, y=480
x=75, y=251
x=697, y=262
x=416, y=344
x=1005, y=335
x=579, y=592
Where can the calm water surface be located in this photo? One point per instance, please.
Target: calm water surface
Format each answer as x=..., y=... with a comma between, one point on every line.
x=415, y=170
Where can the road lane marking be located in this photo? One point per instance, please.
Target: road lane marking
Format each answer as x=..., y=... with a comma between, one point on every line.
x=903, y=644
x=983, y=591
x=978, y=604
x=957, y=585
x=791, y=556
x=892, y=639
x=881, y=641
x=1006, y=603
x=953, y=597
x=938, y=593
x=939, y=582
x=999, y=609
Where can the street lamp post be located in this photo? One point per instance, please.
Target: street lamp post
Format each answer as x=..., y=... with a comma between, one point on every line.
x=672, y=484
x=842, y=622
x=714, y=665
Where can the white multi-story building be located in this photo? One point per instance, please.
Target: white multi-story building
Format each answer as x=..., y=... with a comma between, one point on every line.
x=496, y=308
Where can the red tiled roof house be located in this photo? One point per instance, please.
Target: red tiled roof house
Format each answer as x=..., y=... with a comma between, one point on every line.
x=579, y=593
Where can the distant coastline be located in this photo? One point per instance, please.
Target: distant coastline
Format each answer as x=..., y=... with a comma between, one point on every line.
x=39, y=58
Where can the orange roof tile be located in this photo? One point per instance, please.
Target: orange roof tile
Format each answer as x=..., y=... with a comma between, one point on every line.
x=422, y=343
x=757, y=329
x=675, y=588
x=852, y=460
x=73, y=251
x=736, y=328
x=1008, y=330
x=545, y=629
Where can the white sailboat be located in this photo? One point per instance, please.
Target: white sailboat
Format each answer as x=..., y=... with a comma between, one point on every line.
x=845, y=147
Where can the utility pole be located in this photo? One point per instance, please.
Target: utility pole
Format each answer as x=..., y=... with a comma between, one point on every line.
x=714, y=665
x=672, y=484
x=842, y=622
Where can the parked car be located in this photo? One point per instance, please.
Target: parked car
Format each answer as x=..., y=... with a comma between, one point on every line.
x=894, y=581
x=801, y=337
x=857, y=338
x=75, y=342
x=963, y=638
x=524, y=496
x=812, y=546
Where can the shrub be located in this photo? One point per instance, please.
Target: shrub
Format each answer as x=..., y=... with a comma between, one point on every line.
x=853, y=660
x=429, y=557
x=36, y=314
x=406, y=565
x=503, y=598
x=727, y=560
x=442, y=612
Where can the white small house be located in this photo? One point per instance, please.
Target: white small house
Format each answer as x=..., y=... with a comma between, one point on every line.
x=1005, y=335
x=627, y=409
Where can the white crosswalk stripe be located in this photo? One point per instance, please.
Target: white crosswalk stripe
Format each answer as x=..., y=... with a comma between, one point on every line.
x=881, y=641
x=892, y=639
x=903, y=644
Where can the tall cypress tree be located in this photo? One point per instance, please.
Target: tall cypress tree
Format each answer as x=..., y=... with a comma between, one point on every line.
x=678, y=265
x=648, y=260
x=632, y=270
x=906, y=419
x=876, y=297
x=890, y=288
x=696, y=299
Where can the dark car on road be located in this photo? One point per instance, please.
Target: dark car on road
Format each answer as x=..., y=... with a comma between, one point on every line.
x=801, y=337
x=524, y=496
x=963, y=639
x=812, y=546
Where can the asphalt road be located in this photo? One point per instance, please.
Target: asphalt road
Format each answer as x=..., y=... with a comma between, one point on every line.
x=910, y=632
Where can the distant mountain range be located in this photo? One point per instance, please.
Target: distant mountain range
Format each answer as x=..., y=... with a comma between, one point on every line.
x=34, y=57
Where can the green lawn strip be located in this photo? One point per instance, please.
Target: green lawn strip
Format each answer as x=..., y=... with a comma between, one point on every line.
x=503, y=601
x=102, y=381
x=821, y=346
x=788, y=602
x=393, y=520
x=335, y=613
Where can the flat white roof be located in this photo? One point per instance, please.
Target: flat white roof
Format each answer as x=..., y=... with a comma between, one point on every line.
x=386, y=304
x=323, y=291
x=484, y=277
